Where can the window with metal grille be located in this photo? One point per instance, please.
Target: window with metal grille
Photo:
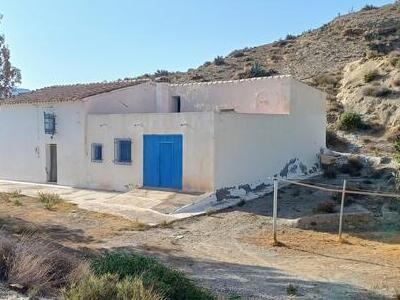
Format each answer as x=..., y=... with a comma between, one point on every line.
x=123, y=151
x=97, y=152
x=49, y=123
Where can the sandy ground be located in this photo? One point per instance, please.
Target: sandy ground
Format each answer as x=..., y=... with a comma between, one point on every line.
x=231, y=252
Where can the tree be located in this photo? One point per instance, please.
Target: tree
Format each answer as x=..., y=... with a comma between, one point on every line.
x=9, y=75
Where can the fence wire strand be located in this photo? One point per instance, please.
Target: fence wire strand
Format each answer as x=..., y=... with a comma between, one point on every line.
x=359, y=192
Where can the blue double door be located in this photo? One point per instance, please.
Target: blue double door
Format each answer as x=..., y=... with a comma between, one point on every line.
x=162, y=165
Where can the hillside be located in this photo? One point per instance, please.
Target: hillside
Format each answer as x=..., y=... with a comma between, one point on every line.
x=334, y=58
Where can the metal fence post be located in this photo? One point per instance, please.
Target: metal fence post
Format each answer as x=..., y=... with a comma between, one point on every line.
x=275, y=209
x=341, y=210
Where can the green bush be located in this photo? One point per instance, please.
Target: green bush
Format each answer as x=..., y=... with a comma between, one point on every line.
x=171, y=283
x=109, y=286
x=371, y=75
x=350, y=121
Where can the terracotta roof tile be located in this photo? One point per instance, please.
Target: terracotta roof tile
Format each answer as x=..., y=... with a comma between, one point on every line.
x=63, y=93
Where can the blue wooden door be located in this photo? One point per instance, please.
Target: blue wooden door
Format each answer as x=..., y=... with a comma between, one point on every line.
x=162, y=165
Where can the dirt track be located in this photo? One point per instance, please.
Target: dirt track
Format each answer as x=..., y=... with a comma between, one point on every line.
x=231, y=252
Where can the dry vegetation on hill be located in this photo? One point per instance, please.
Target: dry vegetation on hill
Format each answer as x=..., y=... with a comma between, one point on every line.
x=335, y=58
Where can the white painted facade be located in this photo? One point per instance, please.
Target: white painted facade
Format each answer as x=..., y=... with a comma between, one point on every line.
x=234, y=133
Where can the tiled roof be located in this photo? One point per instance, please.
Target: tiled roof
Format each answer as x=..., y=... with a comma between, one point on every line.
x=63, y=93
x=276, y=77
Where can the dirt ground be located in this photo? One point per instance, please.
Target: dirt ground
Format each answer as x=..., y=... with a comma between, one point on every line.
x=65, y=222
x=231, y=252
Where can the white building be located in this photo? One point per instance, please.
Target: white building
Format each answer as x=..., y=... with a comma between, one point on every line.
x=193, y=137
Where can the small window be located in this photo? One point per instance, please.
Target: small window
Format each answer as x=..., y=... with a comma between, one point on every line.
x=49, y=123
x=97, y=152
x=176, y=102
x=123, y=151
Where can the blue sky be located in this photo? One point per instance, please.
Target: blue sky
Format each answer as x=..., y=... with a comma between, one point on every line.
x=77, y=41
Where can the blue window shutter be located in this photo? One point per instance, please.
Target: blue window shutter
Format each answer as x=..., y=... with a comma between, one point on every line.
x=97, y=152
x=49, y=123
x=123, y=151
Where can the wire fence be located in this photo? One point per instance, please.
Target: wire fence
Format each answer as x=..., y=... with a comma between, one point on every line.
x=343, y=191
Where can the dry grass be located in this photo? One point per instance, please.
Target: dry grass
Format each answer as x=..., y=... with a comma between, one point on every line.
x=65, y=222
x=49, y=200
x=364, y=247
x=38, y=266
x=110, y=287
x=376, y=91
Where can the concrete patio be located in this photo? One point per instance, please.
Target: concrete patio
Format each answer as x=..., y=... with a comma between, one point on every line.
x=147, y=206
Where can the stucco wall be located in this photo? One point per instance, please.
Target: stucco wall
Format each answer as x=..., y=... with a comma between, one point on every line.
x=251, y=148
x=23, y=142
x=258, y=95
x=140, y=98
x=197, y=131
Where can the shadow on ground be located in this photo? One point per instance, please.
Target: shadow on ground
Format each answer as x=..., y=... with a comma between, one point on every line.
x=296, y=202
x=57, y=233
x=253, y=282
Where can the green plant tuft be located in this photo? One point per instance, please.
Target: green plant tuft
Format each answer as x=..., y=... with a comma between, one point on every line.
x=171, y=283
x=350, y=121
x=49, y=200
x=292, y=290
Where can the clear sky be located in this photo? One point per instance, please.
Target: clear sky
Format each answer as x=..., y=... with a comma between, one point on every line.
x=77, y=41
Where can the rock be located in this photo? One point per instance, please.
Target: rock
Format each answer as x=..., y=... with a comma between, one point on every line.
x=17, y=287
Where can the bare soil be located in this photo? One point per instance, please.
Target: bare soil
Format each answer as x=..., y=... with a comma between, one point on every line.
x=232, y=253
x=65, y=222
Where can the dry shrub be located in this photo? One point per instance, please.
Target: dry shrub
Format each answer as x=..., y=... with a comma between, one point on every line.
x=371, y=75
x=376, y=91
x=326, y=207
x=325, y=80
x=219, y=61
x=353, y=166
x=394, y=58
x=110, y=287
x=39, y=266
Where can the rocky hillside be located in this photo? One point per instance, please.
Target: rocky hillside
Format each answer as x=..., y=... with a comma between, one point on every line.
x=336, y=58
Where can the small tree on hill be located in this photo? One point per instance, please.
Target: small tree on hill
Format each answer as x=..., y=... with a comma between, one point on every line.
x=9, y=75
